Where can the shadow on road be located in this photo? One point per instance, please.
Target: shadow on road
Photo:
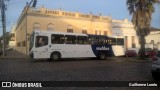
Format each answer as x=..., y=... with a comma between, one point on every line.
x=68, y=60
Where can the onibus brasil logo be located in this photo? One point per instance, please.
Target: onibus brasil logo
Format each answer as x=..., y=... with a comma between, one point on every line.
x=20, y=84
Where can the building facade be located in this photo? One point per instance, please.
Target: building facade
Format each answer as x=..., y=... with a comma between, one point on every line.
x=125, y=28
x=59, y=21
x=153, y=39
x=74, y=22
x=12, y=41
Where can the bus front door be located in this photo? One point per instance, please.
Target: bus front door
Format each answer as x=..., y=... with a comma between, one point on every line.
x=42, y=46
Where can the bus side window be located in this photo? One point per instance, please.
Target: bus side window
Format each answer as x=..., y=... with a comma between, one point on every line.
x=89, y=40
x=92, y=40
x=106, y=40
x=101, y=41
x=70, y=39
x=82, y=40
x=57, y=39
x=109, y=41
x=114, y=41
x=41, y=41
x=120, y=41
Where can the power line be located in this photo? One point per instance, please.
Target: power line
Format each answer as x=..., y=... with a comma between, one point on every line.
x=17, y=2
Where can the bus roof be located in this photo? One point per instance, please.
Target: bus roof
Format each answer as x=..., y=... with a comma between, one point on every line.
x=115, y=36
x=93, y=35
x=53, y=32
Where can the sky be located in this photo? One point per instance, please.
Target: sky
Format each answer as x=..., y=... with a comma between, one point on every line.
x=117, y=9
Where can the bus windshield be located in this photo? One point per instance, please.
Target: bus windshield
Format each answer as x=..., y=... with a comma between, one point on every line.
x=31, y=41
x=120, y=41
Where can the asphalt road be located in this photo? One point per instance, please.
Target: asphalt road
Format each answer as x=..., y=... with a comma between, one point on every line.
x=115, y=69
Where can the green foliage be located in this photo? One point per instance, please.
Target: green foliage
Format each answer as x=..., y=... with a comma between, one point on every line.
x=7, y=36
x=141, y=11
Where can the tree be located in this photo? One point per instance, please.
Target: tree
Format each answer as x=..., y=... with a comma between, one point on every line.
x=141, y=11
x=8, y=36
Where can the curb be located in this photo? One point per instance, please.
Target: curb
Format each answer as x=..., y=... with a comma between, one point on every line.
x=13, y=58
x=138, y=60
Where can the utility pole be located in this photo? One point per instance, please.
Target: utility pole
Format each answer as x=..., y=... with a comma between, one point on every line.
x=27, y=7
x=3, y=15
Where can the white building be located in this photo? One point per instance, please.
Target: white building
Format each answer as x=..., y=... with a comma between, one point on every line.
x=12, y=42
x=125, y=29
x=153, y=39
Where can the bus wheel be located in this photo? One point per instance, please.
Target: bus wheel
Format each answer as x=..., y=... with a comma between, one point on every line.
x=55, y=56
x=102, y=56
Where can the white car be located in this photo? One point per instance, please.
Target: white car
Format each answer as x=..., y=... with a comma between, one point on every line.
x=156, y=66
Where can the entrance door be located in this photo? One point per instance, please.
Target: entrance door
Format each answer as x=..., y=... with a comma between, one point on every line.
x=126, y=42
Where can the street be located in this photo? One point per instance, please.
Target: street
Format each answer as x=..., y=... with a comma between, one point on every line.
x=114, y=69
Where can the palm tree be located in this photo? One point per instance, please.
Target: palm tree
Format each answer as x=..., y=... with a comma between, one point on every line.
x=141, y=11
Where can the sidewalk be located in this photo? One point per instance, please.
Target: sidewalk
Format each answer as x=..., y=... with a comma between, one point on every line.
x=136, y=59
x=14, y=55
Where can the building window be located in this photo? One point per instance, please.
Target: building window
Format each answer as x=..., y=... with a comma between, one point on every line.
x=155, y=46
x=19, y=44
x=84, y=31
x=152, y=42
x=70, y=29
x=68, y=14
x=105, y=33
x=23, y=43
x=12, y=39
x=50, y=27
x=133, y=42
x=12, y=35
x=36, y=26
x=99, y=32
x=96, y=32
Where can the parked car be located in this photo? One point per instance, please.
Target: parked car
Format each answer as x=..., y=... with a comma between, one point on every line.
x=149, y=52
x=130, y=53
x=156, y=66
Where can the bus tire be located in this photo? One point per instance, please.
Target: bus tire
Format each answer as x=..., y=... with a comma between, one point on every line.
x=55, y=56
x=102, y=56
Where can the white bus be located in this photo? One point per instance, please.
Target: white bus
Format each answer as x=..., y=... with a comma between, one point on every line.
x=57, y=45
x=118, y=48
